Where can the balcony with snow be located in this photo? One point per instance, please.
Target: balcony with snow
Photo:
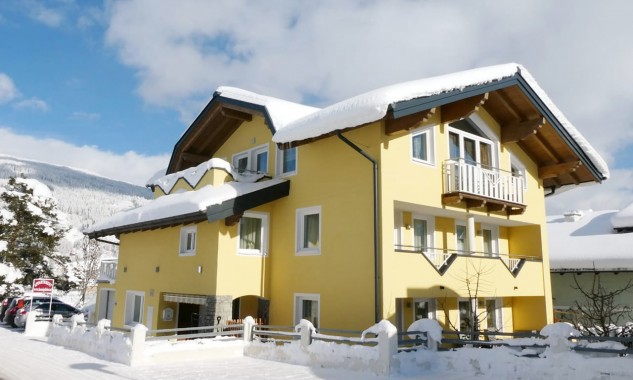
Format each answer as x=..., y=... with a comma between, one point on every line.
x=107, y=272
x=480, y=186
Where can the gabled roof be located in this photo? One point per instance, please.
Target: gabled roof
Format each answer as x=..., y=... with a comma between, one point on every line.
x=508, y=92
x=587, y=241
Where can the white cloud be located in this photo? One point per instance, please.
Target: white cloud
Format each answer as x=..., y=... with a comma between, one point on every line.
x=33, y=104
x=45, y=15
x=8, y=91
x=129, y=167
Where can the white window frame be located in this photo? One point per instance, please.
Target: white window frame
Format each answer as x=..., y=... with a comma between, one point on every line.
x=466, y=247
x=298, y=306
x=397, y=228
x=490, y=138
x=430, y=229
x=130, y=297
x=432, y=307
x=105, y=309
x=494, y=230
x=430, y=145
x=265, y=230
x=251, y=155
x=515, y=162
x=300, y=231
x=498, y=312
x=459, y=317
x=281, y=154
x=184, y=232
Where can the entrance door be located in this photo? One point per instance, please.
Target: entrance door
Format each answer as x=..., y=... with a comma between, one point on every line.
x=188, y=316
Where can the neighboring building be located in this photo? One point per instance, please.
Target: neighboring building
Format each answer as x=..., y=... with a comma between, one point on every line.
x=584, y=244
x=422, y=199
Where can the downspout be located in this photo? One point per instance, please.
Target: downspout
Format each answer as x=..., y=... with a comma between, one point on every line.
x=376, y=256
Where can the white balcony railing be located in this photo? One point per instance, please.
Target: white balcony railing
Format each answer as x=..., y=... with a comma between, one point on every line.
x=463, y=177
x=107, y=271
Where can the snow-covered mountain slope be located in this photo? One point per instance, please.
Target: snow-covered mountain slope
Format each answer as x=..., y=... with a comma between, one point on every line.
x=82, y=198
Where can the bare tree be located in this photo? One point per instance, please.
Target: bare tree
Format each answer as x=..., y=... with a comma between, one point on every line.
x=87, y=265
x=598, y=313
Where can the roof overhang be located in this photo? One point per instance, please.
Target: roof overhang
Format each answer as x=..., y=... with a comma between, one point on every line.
x=524, y=119
x=212, y=128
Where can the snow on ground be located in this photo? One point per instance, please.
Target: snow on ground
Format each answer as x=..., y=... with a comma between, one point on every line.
x=33, y=358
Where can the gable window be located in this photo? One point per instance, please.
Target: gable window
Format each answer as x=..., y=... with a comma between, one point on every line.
x=468, y=142
x=287, y=161
x=134, y=307
x=422, y=146
x=307, y=307
x=252, y=161
x=309, y=231
x=188, y=241
x=253, y=234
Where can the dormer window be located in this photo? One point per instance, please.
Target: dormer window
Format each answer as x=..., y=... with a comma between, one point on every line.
x=252, y=161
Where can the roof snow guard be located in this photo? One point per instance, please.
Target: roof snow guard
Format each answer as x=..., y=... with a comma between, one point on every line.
x=193, y=207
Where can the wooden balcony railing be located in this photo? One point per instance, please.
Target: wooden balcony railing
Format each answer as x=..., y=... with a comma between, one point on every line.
x=480, y=186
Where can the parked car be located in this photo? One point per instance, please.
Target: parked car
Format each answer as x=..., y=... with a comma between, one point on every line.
x=21, y=302
x=55, y=307
x=4, y=306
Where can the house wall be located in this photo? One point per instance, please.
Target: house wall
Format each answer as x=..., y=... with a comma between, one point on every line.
x=565, y=294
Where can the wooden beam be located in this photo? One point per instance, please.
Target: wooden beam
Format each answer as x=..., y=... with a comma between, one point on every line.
x=405, y=123
x=462, y=108
x=555, y=170
x=235, y=114
x=521, y=130
x=451, y=198
x=475, y=203
x=232, y=220
x=193, y=157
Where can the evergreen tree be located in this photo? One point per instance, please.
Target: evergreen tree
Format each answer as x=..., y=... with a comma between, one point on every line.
x=29, y=234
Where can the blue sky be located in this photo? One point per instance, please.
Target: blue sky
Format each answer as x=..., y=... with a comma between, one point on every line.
x=109, y=86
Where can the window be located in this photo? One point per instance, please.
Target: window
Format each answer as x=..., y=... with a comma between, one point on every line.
x=106, y=304
x=307, y=307
x=134, y=307
x=466, y=141
x=188, y=241
x=423, y=308
x=253, y=234
x=422, y=146
x=466, y=322
x=286, y=161
x=518, y=172
x=494, y=321
x=309, y=231
x=423, y=228
x=490, y=237
x=461, y=238
x=252, y=161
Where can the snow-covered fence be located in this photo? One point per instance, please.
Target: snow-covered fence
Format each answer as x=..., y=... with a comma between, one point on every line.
x=307, y=347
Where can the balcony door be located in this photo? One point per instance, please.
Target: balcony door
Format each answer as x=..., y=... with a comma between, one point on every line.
x=469, y=143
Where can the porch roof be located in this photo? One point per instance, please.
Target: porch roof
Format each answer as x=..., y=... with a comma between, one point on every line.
x=223, y=201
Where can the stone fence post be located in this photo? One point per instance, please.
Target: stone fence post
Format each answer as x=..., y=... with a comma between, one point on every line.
x=249, y=323
x=306, y=336
x=137, y=348
x=387, y=348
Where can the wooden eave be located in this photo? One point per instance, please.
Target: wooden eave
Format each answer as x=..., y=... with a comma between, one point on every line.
x=473, y=201
x=211, y=129
x=524, y=119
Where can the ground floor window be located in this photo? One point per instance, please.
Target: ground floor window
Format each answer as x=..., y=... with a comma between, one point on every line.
x=423, y=309
x=494, y=321
x=134, y=307
x=106, y=304
x=466, y=322
x=307, y=307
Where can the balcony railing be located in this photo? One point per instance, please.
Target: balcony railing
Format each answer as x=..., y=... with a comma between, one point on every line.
x=441, y=258
x=483, y=186
x=107, y=271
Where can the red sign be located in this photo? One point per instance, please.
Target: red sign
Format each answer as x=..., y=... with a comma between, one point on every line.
x=43, y=285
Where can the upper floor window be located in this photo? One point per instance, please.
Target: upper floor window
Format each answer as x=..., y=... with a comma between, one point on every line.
x=423, y=228
x=461, y=239
x=254, y=160
x=188, y=241
x=253, y=234
x=422, y=146
x=309, y=231
x=490, y=236
x=286, y=161
x=466, y=141
x=518, y=171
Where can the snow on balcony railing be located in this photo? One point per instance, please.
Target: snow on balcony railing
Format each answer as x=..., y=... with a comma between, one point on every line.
x=107, y=271
x=463, y=177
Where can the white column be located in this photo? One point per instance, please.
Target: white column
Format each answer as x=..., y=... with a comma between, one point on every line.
x=470, y=232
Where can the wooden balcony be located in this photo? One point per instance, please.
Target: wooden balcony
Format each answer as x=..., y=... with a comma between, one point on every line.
x=477, y=186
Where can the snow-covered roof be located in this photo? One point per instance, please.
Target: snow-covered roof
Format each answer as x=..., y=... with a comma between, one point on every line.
x=373, y=105
x=586, y=240
x=624, y=218
x=179, y=204
x=281, y=112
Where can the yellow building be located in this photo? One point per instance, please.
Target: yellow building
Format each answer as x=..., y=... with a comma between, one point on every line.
x=419, y=200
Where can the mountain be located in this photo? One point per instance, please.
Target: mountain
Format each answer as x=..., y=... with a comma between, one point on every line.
x=82, y=198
